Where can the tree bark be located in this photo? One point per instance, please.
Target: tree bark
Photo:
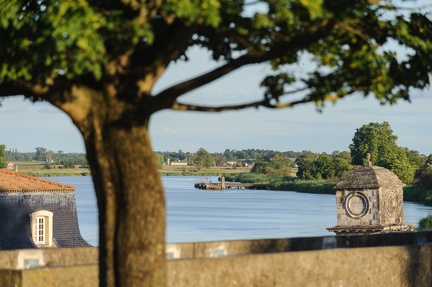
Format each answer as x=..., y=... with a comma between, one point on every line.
x=131, y=204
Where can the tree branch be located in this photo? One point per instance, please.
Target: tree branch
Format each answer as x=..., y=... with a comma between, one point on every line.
x=20, y=88
x=355, y=32
x=54, y=91
x=266, y=103
x=188, y=107
x=167, y=98
x=148, y=63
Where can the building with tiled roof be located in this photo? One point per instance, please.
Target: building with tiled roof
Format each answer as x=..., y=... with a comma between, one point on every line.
x=37, y=213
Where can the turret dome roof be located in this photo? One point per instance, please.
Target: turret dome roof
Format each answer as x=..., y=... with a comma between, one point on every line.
x=368, y=177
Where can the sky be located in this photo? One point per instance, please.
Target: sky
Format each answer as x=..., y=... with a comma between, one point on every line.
x=25, y=126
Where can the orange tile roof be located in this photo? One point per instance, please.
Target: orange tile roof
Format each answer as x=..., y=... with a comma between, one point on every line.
x=11, y=181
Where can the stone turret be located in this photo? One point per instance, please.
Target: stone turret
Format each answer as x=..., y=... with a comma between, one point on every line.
x=369, y=200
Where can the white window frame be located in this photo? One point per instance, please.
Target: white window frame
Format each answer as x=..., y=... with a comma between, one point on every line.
x=41, y=223
x=40, y=230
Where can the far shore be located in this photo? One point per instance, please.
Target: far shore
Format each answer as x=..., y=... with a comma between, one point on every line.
x=37, y=168
x=34, y=168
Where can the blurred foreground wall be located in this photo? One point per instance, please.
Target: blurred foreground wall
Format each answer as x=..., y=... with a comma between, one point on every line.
x=397, y=259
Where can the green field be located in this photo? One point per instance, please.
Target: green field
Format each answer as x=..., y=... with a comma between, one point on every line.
x=37, y=168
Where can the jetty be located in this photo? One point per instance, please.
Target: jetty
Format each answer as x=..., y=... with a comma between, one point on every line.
x=222, y=185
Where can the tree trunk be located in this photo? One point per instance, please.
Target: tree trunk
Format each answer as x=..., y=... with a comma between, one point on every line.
x=131, y=204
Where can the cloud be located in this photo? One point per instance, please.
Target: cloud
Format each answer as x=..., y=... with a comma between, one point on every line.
x=167, y=130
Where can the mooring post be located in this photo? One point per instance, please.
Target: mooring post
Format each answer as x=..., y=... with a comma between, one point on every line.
x=223, y=183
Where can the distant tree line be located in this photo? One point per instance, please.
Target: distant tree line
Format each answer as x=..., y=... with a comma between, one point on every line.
x=239, y=157
x=51, y=158
x=201, y=157
x=375, y=139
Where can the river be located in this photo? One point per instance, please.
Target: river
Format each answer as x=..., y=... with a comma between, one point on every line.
x=197, y=215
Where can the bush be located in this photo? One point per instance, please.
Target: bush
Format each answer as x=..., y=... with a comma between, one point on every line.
x=260, y=167
x=286, y=183
x=247, y=178
x=47, y=165
x=307, y=186
x=426, y=223
x=417, y=194
x=423, y=177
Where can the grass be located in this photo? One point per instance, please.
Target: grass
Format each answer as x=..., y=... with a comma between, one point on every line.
x=36, y=168
x=285, y=183
x=172, y=170
x=247, y=177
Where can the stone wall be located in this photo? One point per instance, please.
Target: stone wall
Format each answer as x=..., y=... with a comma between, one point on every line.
x=37, y=258
x=360, y=267
x=397, y=259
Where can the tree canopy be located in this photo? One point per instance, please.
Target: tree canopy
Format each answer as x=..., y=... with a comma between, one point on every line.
x=423, y=177
x=277, y=165
x=203, y=159
x=322, y=166
x=378, y=140
x=99, y=61
x=91, y=43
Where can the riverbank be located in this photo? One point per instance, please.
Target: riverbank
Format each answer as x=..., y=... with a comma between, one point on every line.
x=39, y=169
x=285, y=183
x=239, y=174
x=191, y=170
x=411, y=192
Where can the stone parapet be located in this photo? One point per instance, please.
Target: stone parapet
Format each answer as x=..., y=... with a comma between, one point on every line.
x=62, y=276
x=396, y=259
x=359, y=267
x=39, y=258
x=262, y=246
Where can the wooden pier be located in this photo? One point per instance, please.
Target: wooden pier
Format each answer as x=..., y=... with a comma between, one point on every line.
x=222, y=185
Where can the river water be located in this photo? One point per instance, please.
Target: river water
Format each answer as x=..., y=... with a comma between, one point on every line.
x=197, y=215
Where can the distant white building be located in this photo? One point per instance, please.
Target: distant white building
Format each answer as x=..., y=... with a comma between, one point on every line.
x=179, y=163
x=176, y=163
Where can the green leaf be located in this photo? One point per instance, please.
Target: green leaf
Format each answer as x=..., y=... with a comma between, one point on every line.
x=314, y=7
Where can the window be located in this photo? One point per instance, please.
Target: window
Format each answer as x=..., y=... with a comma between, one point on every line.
x=40, y=230
x=42, y=227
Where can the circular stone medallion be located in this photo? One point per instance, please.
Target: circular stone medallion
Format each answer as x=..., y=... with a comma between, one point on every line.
x=391, y=204
x=357, y=204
